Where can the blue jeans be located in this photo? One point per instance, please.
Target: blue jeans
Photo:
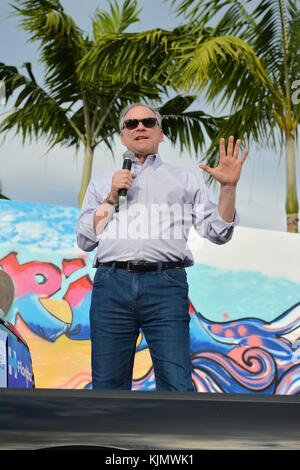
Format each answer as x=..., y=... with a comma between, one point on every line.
x=122, y=303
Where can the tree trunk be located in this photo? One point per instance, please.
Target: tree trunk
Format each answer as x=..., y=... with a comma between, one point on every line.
x=291, y=205
x=86, y=173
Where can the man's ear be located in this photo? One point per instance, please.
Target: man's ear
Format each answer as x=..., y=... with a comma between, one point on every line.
x=161, y=135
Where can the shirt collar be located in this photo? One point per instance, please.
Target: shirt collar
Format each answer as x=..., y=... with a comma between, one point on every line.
x=152, y=160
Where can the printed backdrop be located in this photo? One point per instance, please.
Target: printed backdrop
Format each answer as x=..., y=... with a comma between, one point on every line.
x=244, y=304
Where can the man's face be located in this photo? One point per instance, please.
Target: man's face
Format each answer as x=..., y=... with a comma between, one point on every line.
x=142, y=141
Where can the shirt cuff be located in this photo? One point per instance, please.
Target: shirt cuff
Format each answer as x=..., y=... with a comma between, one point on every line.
x=86, y=227
x=219, y=224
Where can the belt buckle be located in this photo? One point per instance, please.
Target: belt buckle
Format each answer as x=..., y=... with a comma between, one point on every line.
x=132, y=263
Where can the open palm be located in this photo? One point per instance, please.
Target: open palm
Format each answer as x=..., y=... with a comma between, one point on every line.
x=229, y=169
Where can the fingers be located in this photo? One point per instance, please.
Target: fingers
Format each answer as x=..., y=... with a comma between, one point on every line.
x=230, y=146
x=236, y=149
x=244, y=156
x=205, y=168
x=222, y=148
x=122, y=179
x=229, y=153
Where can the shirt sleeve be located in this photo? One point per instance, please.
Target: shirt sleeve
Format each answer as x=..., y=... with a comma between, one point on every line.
x=207, y=220
x=86, y=236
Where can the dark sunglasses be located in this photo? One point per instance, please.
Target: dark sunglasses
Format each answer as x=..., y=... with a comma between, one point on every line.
x=133, y=123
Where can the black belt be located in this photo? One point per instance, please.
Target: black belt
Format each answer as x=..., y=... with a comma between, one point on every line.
x=142, y=266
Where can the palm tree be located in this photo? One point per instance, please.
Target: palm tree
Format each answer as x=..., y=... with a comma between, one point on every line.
x=262, y=108
x=66, y=111
x=190, y=57
x=72, y=109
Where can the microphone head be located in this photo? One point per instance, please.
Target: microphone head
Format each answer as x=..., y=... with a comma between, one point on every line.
x=129, y=154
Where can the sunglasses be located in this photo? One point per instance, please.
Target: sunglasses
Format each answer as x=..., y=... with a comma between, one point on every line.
x=133, y=123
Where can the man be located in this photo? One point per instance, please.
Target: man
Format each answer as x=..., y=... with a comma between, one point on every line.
x=151, y=292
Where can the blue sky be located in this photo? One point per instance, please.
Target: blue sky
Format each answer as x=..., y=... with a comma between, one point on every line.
x=29, y=173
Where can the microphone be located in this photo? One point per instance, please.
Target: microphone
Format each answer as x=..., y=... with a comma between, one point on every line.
x=127, y=163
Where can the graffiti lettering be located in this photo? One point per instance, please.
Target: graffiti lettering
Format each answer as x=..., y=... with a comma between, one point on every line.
x=78, y=290
x=69, y=266
x=49, y=315
x=41, y=278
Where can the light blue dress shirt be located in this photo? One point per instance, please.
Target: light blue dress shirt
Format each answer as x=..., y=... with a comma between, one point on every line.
x=153, y=222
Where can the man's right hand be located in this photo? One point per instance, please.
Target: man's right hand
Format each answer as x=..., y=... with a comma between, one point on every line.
x=122, y=179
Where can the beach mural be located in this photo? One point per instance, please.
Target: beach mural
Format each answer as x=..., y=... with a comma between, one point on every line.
x=244, y=304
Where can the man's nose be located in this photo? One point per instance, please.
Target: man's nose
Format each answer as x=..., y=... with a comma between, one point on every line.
x=140, y=126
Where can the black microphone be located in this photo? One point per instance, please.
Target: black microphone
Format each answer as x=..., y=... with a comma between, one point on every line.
x=127, y=163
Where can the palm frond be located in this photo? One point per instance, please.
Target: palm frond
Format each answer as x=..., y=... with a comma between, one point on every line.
x=119, y=56
x=61, y=42
x=35, y=113
x=117, y=21
x=189, y=129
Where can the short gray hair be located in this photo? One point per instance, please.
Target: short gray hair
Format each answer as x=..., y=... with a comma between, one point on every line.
x=134, y=105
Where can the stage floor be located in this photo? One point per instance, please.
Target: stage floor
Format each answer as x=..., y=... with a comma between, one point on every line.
x=42, y=419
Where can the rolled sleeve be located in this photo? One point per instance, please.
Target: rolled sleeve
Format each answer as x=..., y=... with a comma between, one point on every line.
x=86, y=237
x=207, y=220
x=218, y=230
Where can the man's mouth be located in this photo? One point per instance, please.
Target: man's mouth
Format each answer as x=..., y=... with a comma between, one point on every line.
x=141, y=138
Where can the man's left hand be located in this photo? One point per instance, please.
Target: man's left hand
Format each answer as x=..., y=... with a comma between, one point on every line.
x=229, y=169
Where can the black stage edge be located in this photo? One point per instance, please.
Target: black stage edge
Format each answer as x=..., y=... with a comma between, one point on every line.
x=39, y=419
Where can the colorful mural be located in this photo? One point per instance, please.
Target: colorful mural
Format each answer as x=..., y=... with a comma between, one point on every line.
x=245, y=304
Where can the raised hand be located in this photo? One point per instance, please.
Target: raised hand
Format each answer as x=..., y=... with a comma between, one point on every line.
x=229, y=169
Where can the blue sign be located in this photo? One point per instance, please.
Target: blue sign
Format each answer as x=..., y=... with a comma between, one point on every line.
x=18, y=364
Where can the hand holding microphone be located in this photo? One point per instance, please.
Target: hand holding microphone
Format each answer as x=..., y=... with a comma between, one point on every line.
x=122, y=179
x=127, y=163
x=121, y=182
